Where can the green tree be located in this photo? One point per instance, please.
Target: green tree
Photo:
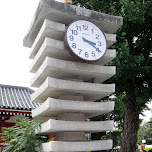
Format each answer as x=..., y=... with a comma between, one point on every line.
x=22, y=137
x=145, y=132
x=133, y=61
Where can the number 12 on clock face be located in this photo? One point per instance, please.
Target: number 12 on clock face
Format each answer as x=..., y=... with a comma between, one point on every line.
x=85, y=41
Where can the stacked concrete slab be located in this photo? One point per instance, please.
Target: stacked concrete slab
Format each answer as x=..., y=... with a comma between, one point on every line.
x=63, y=83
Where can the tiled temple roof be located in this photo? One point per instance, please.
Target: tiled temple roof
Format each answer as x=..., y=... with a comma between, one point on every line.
x=15, y=97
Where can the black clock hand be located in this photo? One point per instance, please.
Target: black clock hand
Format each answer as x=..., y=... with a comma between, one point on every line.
x=91, y=43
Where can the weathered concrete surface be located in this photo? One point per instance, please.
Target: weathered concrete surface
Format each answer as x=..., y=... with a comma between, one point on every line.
x=49, y=29
x=66, y=13
x=55, y=49
x=56, y=87
x=71, y=97
x=71, y=136
x=55, y=126
x=56, y=31
x=56, y=146
x=54, y=107
x=71, y=117
x=61, y=69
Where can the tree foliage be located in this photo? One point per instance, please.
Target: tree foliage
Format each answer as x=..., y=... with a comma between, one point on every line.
x=145, y=132
x=22, y=137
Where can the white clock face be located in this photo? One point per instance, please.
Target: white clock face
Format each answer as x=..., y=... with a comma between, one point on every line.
x=86, y=40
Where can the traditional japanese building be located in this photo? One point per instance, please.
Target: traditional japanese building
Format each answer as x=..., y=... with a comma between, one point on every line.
x=15, y=102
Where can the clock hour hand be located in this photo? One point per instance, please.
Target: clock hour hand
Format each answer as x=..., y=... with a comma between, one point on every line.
x=91, y=43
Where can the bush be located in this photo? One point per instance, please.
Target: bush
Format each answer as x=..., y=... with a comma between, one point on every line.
x=22, y=137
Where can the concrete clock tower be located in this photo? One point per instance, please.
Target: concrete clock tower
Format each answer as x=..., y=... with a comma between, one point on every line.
x=70, y=45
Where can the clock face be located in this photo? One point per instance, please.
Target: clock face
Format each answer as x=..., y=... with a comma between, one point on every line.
x=85, y=41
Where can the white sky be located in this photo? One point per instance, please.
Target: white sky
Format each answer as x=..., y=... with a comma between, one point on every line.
x=16, y=16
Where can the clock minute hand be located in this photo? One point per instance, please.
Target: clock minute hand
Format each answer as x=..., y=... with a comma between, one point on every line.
x=91, y=43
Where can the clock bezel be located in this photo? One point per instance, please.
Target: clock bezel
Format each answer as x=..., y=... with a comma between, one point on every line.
x=69, y=49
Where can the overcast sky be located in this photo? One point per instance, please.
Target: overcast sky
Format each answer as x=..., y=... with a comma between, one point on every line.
x=16, y=16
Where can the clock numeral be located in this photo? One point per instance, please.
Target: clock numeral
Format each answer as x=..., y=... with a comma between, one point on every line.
x=85, y=27
x=99, y=43
x=74, y=45
x=71, y=38
x=86, y=54
x=97, y=49
x=74, y=32
x=80, y=51
x=97, y=36
x=78, y=28
x=93, y=54
x=92, y=31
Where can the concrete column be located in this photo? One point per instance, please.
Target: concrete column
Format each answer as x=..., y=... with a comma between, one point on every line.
x=65, y=96
x=71, y=136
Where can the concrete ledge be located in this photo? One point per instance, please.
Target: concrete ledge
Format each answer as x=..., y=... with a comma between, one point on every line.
x=49, y=29
x=56, y=126
x=55, y=88
x=61, y=146
x=62, y=69
x=66, y=13
x=55, y=49
x=56, y=31
x=51, y=108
